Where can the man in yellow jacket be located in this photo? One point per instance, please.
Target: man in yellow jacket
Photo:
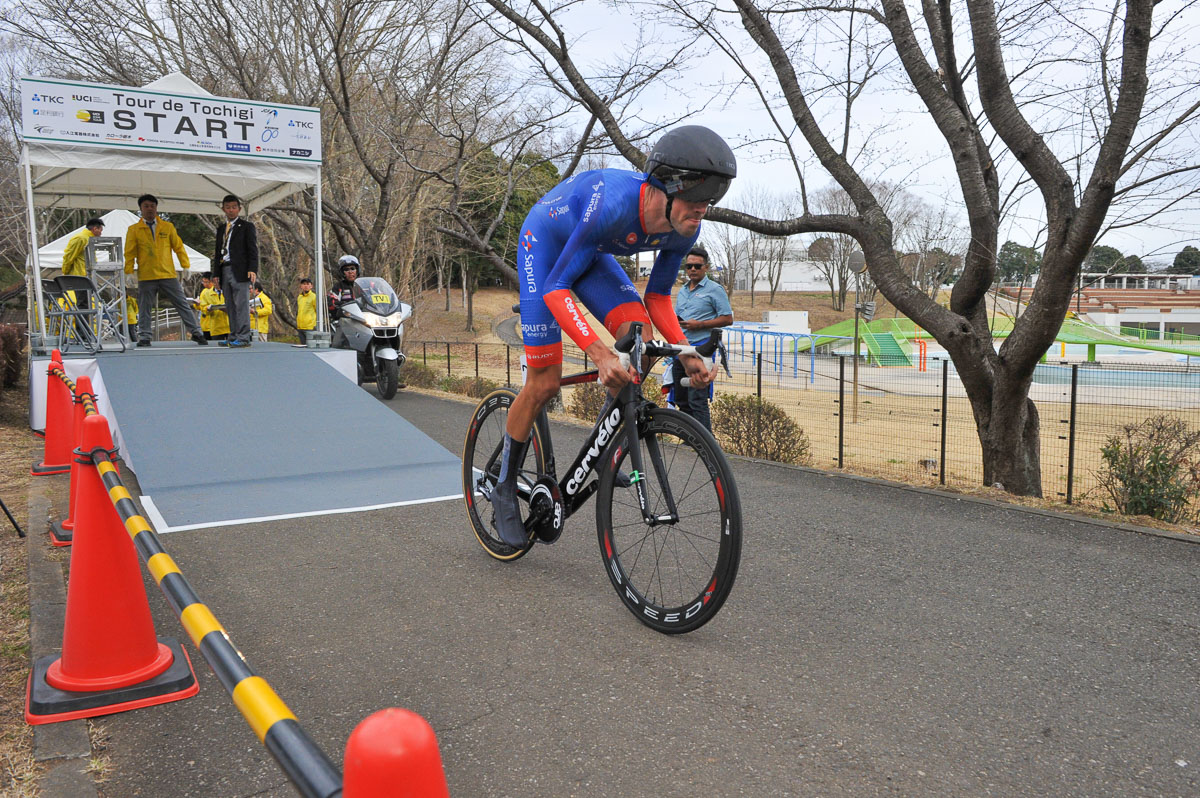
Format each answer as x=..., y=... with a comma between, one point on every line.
x=261, y=308
x=75, y=255
x=306, y=310
x=150, y=243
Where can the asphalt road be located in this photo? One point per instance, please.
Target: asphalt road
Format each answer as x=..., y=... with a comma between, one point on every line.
x=879, y=641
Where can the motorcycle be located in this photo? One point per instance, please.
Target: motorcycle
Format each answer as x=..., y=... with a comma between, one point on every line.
x=373, y=325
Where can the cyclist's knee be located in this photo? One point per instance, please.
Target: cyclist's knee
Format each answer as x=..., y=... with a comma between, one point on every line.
x=541, y=385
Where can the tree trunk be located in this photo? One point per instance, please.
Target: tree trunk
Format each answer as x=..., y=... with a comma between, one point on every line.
x=470, y=284
x=1011, y=444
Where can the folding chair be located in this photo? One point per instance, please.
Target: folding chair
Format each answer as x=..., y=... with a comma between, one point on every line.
x=105, y=325
x=76, y=325
x=52, y=296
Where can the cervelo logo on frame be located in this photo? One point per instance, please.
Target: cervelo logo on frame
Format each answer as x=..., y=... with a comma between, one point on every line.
x=603, y=436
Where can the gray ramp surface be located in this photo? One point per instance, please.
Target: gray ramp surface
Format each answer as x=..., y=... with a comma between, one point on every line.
x=222, y=437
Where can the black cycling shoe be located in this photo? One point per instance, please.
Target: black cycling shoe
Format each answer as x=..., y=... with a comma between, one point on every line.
x=508, y=515
x=505, y=507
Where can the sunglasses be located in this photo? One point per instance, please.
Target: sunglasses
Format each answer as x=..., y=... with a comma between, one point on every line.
x=694, y=266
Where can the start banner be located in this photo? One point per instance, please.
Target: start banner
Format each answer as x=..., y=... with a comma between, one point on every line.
x=147, y=119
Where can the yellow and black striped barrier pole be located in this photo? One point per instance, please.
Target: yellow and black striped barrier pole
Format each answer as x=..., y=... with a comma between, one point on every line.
x=276, y=727
x=273, y=723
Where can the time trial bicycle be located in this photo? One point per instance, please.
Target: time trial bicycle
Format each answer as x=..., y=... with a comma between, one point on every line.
x=668, y=518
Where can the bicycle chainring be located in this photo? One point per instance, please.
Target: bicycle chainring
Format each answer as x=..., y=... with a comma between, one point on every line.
x=546, y=511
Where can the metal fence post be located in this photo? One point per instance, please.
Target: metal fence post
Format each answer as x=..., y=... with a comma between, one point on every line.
x=477, y=361
x=1071, y=434
x=447, y=358
x=841, y=407
x=424, y=354
x=759, y=379
x=507, y=365
x=945, y=417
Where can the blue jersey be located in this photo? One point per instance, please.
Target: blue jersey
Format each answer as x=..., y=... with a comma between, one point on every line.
x=568, y=243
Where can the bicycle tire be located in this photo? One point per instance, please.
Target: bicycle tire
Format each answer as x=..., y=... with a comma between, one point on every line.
x=673, y=577
x=485, y=434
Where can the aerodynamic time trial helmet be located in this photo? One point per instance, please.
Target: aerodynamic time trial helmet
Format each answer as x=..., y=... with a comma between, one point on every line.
x=692, y=163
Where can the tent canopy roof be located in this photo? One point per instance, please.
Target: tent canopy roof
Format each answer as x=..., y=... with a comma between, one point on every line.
x=73, y=176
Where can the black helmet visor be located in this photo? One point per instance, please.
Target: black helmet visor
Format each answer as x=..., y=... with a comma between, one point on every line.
x=698, y=187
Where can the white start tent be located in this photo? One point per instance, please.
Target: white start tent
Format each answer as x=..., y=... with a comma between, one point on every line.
x=88, y=145
x=116, y=223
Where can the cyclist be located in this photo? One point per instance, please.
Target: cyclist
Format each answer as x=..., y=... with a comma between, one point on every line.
x=568, y=242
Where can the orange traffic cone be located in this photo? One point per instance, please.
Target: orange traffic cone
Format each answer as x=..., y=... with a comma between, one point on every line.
x=56, y=454
x=111, y=660
x=61, y=532
x=393, y=752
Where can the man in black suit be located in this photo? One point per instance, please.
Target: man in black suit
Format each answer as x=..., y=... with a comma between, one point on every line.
x=237, y=263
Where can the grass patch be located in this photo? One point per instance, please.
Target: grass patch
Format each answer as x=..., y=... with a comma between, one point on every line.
x=18, y=449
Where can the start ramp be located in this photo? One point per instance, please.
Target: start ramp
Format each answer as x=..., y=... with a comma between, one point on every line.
x=219, y=437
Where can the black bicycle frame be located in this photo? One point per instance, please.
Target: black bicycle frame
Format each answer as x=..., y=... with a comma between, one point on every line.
x=615, y=432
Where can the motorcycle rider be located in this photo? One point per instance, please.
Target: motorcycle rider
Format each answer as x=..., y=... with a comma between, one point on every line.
x=342, y=293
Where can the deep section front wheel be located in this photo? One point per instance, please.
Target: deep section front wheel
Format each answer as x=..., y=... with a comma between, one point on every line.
x=481, y=467
x=674, y=571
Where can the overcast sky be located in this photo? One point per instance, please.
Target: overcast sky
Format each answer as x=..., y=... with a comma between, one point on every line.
x=899, y=141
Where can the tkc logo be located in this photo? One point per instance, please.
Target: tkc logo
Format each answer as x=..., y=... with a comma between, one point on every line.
x=46, y=98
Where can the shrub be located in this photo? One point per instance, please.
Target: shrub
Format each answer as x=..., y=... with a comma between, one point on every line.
x=1152, y=468
x=587, y=399
x=12, y=358
x=417, y=375
x=749, y=426
x=476, y=388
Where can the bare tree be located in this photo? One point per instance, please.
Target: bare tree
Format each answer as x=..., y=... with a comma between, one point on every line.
x=985, y=78
x=831, y=254
x=932, y=244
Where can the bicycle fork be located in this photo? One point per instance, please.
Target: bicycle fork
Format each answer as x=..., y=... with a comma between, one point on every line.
x=637, y=474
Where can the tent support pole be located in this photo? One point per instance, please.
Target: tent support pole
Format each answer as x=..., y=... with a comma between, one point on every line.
x=318, y=256
x=35, y=258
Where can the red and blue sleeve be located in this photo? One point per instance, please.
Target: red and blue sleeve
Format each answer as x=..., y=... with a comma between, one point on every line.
x=658, y=291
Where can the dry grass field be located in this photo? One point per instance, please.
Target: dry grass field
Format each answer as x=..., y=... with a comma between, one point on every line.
x=19, y=448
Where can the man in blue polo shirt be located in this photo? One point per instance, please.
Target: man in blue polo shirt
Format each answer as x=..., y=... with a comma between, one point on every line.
x=701, y=306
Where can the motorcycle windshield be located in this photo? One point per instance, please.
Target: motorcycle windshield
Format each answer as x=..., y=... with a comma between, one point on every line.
x=375, y=295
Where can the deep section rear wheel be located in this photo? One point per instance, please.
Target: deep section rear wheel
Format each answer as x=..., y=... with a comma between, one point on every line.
x=481, y=467
x=675, y=572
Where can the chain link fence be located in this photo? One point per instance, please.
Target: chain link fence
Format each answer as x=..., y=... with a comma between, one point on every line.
x=904, y=423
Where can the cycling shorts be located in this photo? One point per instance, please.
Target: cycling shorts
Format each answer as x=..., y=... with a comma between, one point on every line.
x=604, y=289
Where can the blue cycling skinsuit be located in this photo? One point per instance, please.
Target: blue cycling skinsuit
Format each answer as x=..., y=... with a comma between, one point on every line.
x=567, y=244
